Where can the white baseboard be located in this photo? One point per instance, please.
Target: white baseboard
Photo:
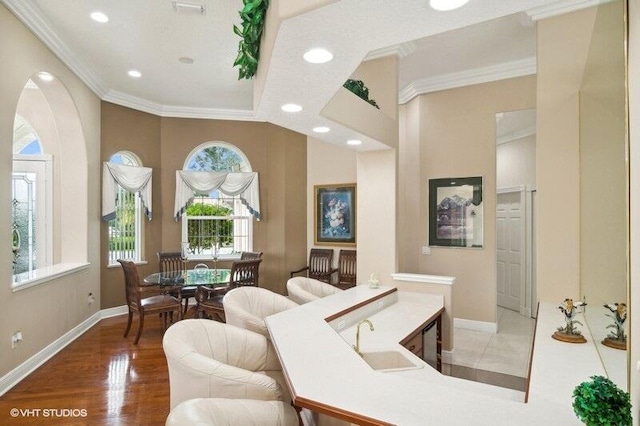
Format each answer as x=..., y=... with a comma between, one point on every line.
x=489, y=327
x=14, y=376
x=447, y=357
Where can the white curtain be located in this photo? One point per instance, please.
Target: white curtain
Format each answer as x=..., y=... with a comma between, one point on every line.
x=243, y=184
x=131, y=178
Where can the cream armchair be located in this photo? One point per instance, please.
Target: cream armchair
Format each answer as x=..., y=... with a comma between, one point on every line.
x=208, y=359
x=247, y=307
x=303, y=290
x=245, y=412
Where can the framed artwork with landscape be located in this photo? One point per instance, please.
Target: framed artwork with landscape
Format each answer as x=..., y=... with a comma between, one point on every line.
x=335, y=214
x=455, y=212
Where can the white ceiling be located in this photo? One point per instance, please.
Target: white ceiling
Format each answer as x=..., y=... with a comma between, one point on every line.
x=485, y=40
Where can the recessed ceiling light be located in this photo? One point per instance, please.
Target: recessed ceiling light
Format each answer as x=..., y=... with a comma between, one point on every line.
x=291, y=108
x=99, y=17
x=354, y=142
x=317, y=56
x=186, y=60
x=135, y=73
x=445, y=5
x=321, y=129
x=45, y=76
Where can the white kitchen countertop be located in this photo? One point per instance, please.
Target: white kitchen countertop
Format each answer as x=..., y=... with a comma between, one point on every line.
x=323, y=370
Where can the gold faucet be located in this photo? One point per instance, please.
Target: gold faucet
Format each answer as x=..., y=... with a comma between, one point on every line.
x=356, y=347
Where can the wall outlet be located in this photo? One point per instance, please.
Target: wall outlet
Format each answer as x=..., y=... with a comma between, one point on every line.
x=15, y=339
x=341, y=324
x=426, y=250
x=91, y=299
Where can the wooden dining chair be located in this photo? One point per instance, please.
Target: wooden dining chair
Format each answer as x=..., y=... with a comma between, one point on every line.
x=347, y=269
x=161, y=303
x=247, y=255
x=172, y=261
x=209, y=300
x=320, y=265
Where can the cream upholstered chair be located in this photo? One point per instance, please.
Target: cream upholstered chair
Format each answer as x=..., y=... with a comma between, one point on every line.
x=245, y=412
x=303, y=290
x=247, y=307
x=209, y=359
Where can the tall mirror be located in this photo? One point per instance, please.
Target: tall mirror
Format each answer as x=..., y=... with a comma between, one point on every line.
x=604, y=208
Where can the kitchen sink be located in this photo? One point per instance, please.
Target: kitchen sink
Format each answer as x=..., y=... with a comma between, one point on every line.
x=389, y=361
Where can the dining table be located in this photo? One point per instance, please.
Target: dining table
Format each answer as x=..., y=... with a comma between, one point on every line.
x=212, y=278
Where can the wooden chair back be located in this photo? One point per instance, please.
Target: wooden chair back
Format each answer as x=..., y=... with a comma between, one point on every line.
x=248, y=255
x=245, y=273
x=132, y=284
x=320, y=264
x=347, y=268
x=170, y=261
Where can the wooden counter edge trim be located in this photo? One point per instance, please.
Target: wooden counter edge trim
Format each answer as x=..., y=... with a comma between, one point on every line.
x=533, y=345
x=423, y=325
x=337, y=413
x=359, y=305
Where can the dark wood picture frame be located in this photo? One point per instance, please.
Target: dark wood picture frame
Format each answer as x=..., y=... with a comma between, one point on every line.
x=335, y=214
x=456, y=212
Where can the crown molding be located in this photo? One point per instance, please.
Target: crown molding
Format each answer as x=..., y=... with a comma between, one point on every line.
x=150, y=107
x=562, y=7
x=399, y=50
x=467, y=78
x=31, y=17
x=523, y=133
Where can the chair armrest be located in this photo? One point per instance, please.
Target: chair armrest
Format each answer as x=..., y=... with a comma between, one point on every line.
x=306, y=268
x=328, y=273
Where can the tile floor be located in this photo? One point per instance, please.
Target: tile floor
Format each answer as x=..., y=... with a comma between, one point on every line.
x=501, y=358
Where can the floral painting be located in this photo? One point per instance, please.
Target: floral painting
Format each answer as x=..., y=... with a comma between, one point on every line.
x=335, y=219
x=455, y=212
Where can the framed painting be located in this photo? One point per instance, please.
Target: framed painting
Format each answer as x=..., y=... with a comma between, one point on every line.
x=455, y=212
x=335, y=214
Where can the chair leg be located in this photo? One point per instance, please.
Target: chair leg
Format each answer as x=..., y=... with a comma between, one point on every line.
x=135, y=342
x=186, y=305
x=128, y=324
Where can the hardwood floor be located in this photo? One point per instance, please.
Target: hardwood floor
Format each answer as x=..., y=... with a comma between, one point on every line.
x=99, y=379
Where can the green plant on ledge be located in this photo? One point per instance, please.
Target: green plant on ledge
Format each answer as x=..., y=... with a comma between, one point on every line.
x=358, y=88
x=600, y=402
x=253, y=16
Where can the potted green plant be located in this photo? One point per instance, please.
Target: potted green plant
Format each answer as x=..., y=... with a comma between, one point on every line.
x=600, y=402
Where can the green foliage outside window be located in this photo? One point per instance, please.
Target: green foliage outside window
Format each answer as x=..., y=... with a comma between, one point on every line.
x=202, y=234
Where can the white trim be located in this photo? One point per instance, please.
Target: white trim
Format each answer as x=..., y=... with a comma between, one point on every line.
x=510, y=189
x=516, y=135
x=503, y=71
x=421, y=278
x=48, y=273
x=400, y=50
x=447, y=357
x=16, y=375
x=114, y=312
x=562, y=7
x=489, y=327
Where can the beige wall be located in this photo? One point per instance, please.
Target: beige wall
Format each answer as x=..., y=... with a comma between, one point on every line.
x=327, y=164
x=563, y=45
x=277, y=154
x=516, y=162
x=455, y=137
x=47, y=311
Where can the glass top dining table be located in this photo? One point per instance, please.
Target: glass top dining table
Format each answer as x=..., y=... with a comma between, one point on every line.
x=193, y=277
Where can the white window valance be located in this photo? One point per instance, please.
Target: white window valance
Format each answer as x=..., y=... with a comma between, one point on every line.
x=131, y=178
x=242, y=184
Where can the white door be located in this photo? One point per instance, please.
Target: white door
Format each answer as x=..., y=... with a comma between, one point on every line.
x=511, y=267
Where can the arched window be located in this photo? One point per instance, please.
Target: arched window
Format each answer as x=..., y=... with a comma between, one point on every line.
x=31, y=201
x=126, y=230
x=216, y=225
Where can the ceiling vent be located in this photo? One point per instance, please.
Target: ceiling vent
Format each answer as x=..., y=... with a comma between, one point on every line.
x=185, y=8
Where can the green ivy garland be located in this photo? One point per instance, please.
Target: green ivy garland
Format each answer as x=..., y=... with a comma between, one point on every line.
x=359, y=89
x=253, y=16
x=600, y=402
